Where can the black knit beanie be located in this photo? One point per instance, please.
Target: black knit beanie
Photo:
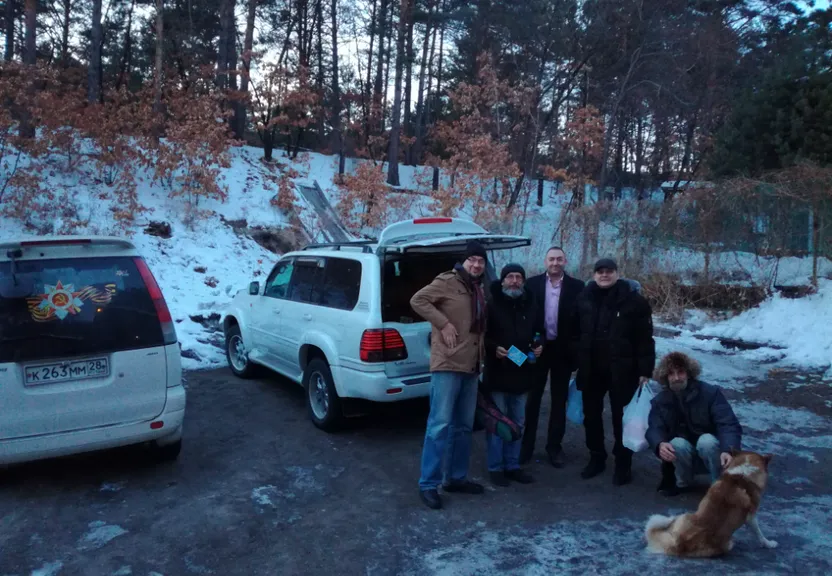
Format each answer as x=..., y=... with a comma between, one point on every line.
x=510, y=269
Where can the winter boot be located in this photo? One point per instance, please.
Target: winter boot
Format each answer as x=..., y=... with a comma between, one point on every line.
x=667, y=487
x=597, y=464
x=623, y=469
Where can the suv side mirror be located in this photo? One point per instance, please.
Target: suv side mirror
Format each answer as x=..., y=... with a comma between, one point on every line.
x=254, y=288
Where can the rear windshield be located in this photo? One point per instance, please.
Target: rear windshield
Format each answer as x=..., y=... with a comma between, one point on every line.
x=77, y=307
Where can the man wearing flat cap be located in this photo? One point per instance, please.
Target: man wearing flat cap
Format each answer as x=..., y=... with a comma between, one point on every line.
x=613, y=346
x=455, y=305
x=513, y=343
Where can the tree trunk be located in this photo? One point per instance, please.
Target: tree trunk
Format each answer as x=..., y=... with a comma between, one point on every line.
x=67, y=6
x=366, y=98
x=540, y=191
x=30, y=49
x=338, y=138
x=222, y=46
x=413, y=150
x=231, y=67
x=382, y=24
x=157, y=77
x=319, y=77
x=94, y=72
x=27, y=130
x=619, y=157
x=387, y=56
x=395, y=128
x=639, y=156
x=127, y=53
x=227, y=29
x=408, y=73
x=267, y=137
x=10, y=13
x=240, y=126
x=441, y=54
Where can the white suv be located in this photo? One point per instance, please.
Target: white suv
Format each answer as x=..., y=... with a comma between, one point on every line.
x=336, y=318
x=88, y=353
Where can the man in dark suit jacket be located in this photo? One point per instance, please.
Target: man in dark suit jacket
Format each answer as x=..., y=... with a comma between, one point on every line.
x=556, y=293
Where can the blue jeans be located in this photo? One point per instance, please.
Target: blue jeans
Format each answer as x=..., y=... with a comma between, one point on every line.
x=453, y=400
x=691, y=460
x=506, y=455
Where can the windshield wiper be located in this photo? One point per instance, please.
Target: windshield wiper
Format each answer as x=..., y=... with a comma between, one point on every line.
x=12, y=255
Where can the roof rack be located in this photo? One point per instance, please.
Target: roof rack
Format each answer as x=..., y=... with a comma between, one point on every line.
x=364, y=244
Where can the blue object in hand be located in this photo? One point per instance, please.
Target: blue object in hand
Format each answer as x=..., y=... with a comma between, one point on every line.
x=537, y=341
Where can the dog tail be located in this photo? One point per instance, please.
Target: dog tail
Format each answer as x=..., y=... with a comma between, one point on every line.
x=659, y=539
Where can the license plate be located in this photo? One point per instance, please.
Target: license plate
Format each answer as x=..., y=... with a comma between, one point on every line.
x=65, y=371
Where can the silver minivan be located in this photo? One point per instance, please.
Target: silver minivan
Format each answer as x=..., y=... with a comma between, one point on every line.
x=89, y=358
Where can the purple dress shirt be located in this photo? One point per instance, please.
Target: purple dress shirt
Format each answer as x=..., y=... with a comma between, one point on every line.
x=551, y=307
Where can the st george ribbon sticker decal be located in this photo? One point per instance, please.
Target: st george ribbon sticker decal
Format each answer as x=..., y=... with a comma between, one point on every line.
x=62, y=300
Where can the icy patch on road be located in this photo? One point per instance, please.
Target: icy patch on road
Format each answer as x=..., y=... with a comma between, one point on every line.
x=50, y=569
x=764, y=417
x=266, y=495
x=783, y=431
x=100, y=534
x=304, y=479
x=112, y=486
x=123, y=571
x=617, y=546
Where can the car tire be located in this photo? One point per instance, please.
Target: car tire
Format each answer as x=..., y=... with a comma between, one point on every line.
x=322, y=401
x=166, y=453
x=237, y=355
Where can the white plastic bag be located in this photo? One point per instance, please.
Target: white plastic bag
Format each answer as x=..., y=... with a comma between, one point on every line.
x=636, y=415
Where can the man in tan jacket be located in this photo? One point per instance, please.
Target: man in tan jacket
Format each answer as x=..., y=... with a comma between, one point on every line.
x=454, y=304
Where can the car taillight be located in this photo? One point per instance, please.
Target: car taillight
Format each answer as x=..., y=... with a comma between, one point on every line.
x=168, y=330
x=432, y=220
x=382, y=345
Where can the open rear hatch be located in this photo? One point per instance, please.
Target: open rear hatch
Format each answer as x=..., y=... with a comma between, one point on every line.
x=82, y=336
x=413, y=253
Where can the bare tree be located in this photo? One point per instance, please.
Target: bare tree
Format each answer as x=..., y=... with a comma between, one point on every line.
x=94, y=72
x=395, y=128
x=248, y=45
x=157, y=75
x=336, y=90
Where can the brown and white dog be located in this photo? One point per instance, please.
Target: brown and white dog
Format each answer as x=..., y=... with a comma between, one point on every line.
x=731, y=501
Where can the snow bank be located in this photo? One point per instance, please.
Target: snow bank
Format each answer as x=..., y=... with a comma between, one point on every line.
x=802, y=326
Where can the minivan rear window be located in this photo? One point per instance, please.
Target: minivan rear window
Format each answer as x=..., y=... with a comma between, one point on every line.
x=77, y=307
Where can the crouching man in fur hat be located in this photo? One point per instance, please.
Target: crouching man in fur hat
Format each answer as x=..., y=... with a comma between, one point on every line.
x=692, y=428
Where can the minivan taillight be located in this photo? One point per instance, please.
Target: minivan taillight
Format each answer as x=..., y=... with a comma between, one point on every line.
x=382, y=345
x=168, y=330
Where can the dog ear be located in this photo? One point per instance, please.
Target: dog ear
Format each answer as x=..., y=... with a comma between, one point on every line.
x=768, y=457
x=734, y=452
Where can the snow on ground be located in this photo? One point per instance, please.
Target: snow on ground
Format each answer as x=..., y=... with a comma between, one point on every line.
x=802, y=326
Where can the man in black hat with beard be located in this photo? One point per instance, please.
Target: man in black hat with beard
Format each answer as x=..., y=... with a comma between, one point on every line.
x=513, y=322
x=613, y=346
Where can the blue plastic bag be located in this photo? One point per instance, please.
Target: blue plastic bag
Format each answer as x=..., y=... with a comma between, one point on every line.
x=575, y=404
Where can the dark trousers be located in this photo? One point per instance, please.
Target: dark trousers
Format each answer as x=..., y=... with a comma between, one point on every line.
x=554, y=366
x=593, y=402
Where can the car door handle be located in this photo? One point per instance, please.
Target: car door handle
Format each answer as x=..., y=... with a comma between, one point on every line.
x=307, y=316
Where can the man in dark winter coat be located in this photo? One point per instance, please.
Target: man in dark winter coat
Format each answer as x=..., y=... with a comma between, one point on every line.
x=514, y=327
x=615, y=352
x=692, y=428
x=556, y=293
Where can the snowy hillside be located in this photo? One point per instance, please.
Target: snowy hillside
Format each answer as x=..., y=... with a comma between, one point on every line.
x=204, y=263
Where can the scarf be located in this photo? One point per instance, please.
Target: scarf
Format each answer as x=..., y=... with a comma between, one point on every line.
x=477, y=300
